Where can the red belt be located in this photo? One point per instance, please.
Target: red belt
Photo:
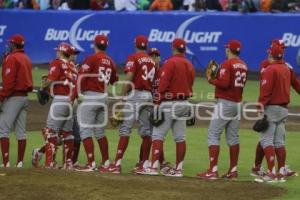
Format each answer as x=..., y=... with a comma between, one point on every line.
x=19, y=94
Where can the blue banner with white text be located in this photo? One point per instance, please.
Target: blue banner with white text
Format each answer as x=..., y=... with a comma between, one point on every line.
x=205, y=33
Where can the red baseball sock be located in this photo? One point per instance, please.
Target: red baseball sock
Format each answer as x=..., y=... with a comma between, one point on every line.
x=5, y=150
x=157, y=146
x=213, y=156
x=281, y=156
x=270, y=157
x=162, y=156
x=180, y=153
x=234, y=156
x=122, y=146
x=76, y=151
x=68, y=150
x=146, y=148
x=21, y=150
x=259, y=155
x=103, y=145
x=89, y=149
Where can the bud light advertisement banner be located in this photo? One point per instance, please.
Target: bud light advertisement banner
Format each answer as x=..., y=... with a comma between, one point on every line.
x=205, y=33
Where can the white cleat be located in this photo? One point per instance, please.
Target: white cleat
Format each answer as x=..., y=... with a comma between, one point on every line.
x=5, y=166
x=19, y=165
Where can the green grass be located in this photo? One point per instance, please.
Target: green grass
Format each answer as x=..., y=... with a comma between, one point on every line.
x=202, y=89
x=196, y=157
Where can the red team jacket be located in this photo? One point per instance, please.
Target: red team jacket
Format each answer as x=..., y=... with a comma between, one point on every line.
x=16, y=75
x=143, y=68
x=102, y=65
x=155, y=85
x=64, y=72
x=231, y=79
x=275, y=84
x=294, y=80
x=176, y=79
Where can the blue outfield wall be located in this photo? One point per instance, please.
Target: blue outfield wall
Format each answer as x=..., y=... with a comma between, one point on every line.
x=206, y=33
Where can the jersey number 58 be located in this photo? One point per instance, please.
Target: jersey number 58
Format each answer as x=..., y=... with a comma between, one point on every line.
x=104, y=75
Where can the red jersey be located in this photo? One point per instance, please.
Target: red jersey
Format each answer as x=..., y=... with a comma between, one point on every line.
x=97, y=72
x=295, y=82
x=275, y=84
x=16, y=75
x=64, y=77
x=155, y=85
x=143, y=68
x=176, y=79
x=231, y=80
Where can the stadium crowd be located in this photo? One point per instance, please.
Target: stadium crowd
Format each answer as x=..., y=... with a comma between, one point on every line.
x=273, y=6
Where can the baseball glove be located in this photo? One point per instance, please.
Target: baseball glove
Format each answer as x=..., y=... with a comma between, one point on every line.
x=117, y=117
x=261, y=125
x=43, y=96
x=156, y=117
x=212, y=70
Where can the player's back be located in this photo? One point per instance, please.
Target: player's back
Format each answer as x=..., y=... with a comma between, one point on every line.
x=143, y=67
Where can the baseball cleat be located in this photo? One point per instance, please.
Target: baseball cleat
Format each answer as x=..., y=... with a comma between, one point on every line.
x=174, y=173
x=88, y=168
x=115, y=169
x=230, y=175
x=7, y=165
x=270, y=178
x=164, y=167
x=257, y=171
x=147, y=171
x=104, y=168
x=289, y=173
x=76, y=164
x=19, y=165
x=36, y=157
x=208, y=175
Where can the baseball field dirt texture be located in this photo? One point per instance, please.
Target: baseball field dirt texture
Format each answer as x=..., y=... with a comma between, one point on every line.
x=30, y=183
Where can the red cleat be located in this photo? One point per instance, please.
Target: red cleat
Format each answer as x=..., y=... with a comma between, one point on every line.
x=209, y=175
x=115, y=169
x=231, y=175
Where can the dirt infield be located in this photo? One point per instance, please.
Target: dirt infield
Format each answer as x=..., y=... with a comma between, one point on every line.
x=63, y=185
x=37, y=116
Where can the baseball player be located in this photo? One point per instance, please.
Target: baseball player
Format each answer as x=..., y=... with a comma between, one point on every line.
x=16, y=83
x=257, y=169
x=154, y=53
x=140, y=70
x=175, y=87
x=229, y=84
x=96, y=73
x=274, y=96
x=39, y=152
x=61, y=80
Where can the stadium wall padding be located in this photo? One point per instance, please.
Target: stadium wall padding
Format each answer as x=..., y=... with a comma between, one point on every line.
x=206, y=33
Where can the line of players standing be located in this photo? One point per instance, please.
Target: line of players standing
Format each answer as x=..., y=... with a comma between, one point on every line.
x=172, y=82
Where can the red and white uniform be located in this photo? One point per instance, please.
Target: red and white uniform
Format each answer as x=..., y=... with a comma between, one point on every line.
x=101, y=64
x=231, y=79
x=173, y=85
x=276, y=75
x=64, y=76
x=143, y=67
x=16, y=75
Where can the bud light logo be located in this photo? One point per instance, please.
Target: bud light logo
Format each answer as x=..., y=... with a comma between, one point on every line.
x=189, y=30
x=291, y=40
x=2, y=31
x=75, y=34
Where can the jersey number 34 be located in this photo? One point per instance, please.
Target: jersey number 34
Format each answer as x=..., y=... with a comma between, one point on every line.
x=148, y=75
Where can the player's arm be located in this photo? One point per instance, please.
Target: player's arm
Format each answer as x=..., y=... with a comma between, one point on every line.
x=266, y=87
x=165, y=77
x=9, y=81
x=295, y=82
x=130, y=70
x=223, y=78
x=114, y=75
x=53, y=76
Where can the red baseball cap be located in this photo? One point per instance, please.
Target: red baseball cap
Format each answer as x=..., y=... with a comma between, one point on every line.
x=179, y=43
x=74, y=50
x=278, y=42
x=234, y=45
x=101, y=39
x=276, y=51
x=153, y=51
x=64, y=48
x=141, y=41
x=17, y=39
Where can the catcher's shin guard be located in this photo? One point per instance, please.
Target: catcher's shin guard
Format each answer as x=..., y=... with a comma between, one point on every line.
x=50, y=146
